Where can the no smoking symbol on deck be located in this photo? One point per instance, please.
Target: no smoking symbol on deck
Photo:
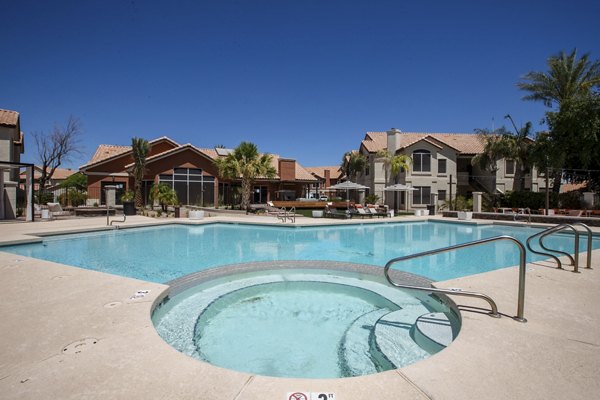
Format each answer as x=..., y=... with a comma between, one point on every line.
x=298, y=396
x=310, y=396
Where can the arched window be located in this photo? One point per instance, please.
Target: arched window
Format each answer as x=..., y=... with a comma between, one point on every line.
x=421, y=161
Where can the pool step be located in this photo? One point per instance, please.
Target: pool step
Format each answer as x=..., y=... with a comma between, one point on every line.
x=392, y=339
x=433, y=332
x=354, y=349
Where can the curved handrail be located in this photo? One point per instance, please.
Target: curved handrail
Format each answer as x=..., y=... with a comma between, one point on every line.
x=589, y=242
x=459, y=292
x=523, y=213
x=561, y=227
x=530, y=238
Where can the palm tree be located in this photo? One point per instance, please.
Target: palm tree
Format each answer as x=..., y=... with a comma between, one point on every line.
x=566, y=79
x=519, y=149
x=140, y=149
x=353, y=163
x=247, y=164
x=398, y=163
x=495, y=147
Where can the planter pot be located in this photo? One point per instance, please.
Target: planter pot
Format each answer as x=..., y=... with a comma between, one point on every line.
x=129, y=208
x=465, y=215
x=418, y=213
x=196, y=214
x=317, y=214
x=177, y=212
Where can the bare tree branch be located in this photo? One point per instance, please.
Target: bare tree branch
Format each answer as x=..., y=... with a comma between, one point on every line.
x=57, y=147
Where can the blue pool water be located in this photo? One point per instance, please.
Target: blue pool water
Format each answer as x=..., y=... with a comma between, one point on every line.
x=160, y=254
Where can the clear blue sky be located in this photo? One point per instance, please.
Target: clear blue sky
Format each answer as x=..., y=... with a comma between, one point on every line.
x=304, y=79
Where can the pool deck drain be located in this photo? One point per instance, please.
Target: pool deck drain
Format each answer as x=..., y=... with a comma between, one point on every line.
x=555, y=355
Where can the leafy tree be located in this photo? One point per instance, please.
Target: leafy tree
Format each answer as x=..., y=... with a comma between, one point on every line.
x=76, y=180
x=57, y=147
x=247, y=164
x=577, y=128
x=353, y=163
x=140, y=149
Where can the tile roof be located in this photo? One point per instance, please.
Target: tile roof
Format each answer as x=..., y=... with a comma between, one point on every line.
x=466, y=143
x=106, y=151
x=334, y=171
x=8, y=117
x=59, y=173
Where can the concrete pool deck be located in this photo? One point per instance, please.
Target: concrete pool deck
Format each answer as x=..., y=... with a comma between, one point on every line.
x=70, y=333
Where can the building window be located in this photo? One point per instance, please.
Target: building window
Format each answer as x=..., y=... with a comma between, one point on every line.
x=442, y=195
x=421, y=161
x=422, y=195
x=442, y=166
x=510, y=167
x=191, y=186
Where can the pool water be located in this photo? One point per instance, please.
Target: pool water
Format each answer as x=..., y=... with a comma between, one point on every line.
x=161, y=254
x=300, y=323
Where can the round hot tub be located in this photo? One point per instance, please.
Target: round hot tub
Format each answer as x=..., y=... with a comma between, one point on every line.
x=304, y=323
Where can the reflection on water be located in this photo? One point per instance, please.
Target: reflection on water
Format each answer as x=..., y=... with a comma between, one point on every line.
x=164, y=253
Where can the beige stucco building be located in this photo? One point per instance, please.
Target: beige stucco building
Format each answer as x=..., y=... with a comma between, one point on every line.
x=11, y=148
x=441, y=168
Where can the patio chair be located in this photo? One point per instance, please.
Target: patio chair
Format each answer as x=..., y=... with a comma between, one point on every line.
x=332, y=212
x=373, y=210
x=57, y=211
x=359, y=211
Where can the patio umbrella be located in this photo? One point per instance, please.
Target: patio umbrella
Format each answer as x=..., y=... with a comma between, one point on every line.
x=347, y=186
x=399, y=187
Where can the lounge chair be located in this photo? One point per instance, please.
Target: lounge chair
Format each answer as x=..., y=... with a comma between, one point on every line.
x=57, y=211
x=575, y=213
x=332, y=212
x=376, y=213
x=359, y=211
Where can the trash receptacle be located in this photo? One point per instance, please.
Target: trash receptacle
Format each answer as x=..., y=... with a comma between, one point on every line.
x=431, y=209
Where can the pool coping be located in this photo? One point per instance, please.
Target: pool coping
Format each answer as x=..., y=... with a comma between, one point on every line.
x=559, y=346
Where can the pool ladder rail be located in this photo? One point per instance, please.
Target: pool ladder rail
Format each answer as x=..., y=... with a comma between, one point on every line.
x=285, y=214
x=459, y=292
x=556, y=229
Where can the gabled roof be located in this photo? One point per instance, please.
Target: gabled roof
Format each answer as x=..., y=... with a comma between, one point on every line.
x=179, y=149
x=334, y=171
x=9, y=118
x=109, y=152
x=465, y=143
x=59, y=173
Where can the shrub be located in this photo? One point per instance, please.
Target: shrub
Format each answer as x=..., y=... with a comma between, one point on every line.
x=371, y=199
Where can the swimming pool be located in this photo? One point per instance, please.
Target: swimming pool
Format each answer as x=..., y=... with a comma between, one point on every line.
x=161, y=254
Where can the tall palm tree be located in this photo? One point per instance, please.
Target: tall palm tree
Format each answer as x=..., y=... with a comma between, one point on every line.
x=394, y=164
x=567, y=78
x=140, y=149
x=353, y=163
x=247, y=164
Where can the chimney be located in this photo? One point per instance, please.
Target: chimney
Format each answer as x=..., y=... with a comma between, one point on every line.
x=327, y=178
x=393, y=140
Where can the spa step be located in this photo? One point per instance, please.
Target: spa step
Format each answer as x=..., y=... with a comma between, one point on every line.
x=433, y=332
x=392, y=339
x=354, y=348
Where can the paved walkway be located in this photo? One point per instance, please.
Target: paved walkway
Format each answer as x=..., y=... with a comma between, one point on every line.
x=69, y=333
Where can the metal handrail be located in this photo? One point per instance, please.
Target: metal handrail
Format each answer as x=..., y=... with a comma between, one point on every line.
x=561, y=227
x=589, y=243
x=460, y=292
x=284, y=215
x=530, y=238
x=523, y=213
